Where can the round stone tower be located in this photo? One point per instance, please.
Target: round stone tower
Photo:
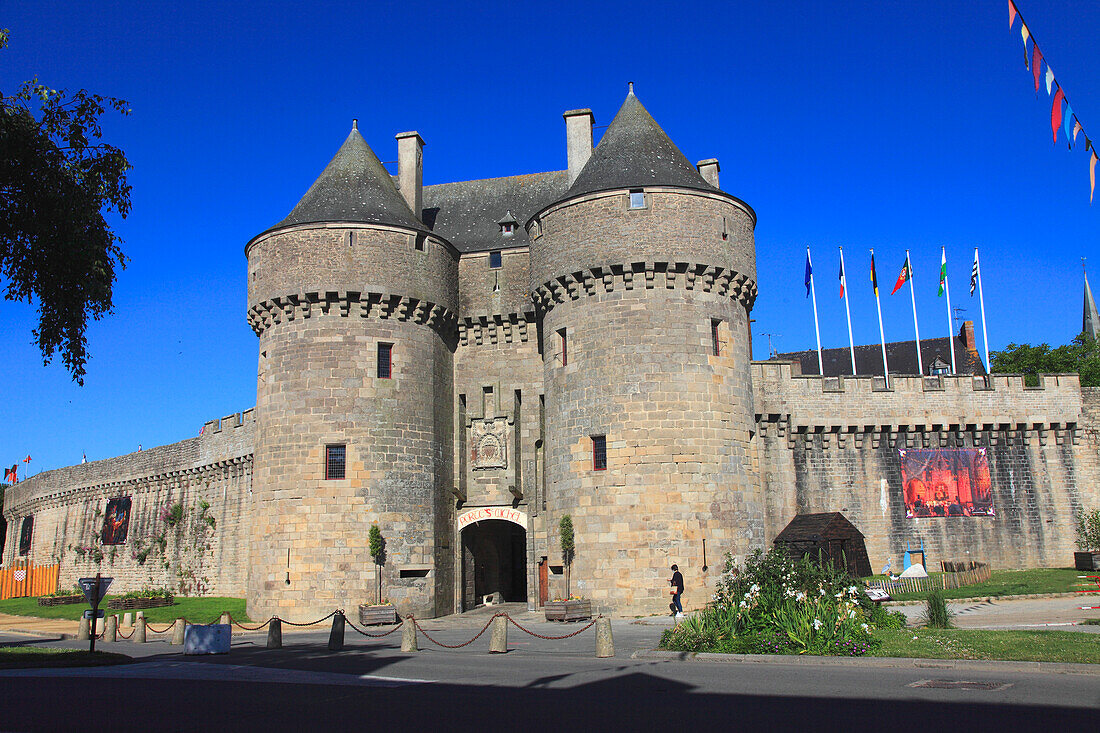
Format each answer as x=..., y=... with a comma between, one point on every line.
x=353, y=300
x=644, y=275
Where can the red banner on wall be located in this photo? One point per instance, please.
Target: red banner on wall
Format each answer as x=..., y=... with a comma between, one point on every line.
x=946, y=482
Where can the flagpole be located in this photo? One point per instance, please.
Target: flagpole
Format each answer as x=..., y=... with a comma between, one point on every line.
x=817, y=330
x=981, y=299
x=848, y=312
x=881, y=333
x=913, y=298
x=950, y=321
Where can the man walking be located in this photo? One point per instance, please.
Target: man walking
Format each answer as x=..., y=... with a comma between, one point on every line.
x=677, y=583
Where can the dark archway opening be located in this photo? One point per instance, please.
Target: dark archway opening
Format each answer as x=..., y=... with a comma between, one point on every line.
x=494, y=560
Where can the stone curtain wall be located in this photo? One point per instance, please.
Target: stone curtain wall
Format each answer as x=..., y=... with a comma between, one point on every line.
x=68, y=505
x=832, y=445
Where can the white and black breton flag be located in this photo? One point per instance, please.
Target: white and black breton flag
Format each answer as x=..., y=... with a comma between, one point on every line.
x=974, y=274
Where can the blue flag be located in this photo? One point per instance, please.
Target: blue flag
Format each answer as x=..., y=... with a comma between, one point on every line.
x=809, y=273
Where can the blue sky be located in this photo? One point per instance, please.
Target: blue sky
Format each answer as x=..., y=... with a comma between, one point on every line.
x=879, y=124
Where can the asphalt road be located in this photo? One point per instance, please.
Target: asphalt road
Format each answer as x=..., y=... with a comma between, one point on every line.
x=538, y=685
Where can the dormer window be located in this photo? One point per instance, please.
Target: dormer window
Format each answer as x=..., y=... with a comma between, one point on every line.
x=637, y=199
x=507, y=225
x=939, y=366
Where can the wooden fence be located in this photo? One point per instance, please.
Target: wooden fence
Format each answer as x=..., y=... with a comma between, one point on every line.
x=979, y=572
x=25, y=579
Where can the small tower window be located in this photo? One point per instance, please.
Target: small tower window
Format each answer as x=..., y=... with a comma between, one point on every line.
x=563, y=344
x=599, y=453
x=385, y=361
x=495, y=259
x=419, y=242
x=637, y=199
x=716, y=344
x=507, y=225
x=335, y=462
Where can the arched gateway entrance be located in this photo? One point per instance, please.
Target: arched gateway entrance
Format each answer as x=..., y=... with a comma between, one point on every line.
x=494, y=560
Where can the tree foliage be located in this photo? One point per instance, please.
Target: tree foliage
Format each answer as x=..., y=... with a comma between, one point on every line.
x=57, y=182
x=1082, y=355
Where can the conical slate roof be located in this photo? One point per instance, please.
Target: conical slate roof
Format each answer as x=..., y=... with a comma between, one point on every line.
x=1090, y=323
x=635, y=152
x=355, y=186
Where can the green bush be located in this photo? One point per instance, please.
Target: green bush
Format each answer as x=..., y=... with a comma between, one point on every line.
x=1088, y=530
x=936, y=613
x=775, y=605
x=147, y=593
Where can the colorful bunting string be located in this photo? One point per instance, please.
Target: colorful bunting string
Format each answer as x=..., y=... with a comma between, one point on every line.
x=1068, y=120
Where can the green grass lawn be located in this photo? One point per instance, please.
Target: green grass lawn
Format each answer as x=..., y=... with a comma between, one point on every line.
x=1010, y=583
x=1025, y=646
x=198, y=610
x=23, y=657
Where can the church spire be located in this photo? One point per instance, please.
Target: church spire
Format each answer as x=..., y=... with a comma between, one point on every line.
x=1090, y=322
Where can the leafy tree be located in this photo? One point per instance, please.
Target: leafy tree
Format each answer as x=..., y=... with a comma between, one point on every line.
x=377, y=551
x=1082, y=355
x=56, y=183
x=565, y=531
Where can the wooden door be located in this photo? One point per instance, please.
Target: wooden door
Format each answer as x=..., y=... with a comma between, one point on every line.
x=544, y=582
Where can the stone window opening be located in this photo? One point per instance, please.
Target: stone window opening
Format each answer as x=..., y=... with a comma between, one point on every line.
x=637, y=199
x=725, y=228
x=563, y=344
x=419, y=242
x=385, y=361
x=715, y=341
x=488, y=404
x=335, y=462
x=495, y=260
x=599, y=453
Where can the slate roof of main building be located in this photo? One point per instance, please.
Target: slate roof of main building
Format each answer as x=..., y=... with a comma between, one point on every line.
x=901, y=356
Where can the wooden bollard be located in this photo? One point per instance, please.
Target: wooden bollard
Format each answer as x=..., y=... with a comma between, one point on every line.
x=225, y=618
x=498, y=642
x=110, y=633
x=139, y=630
x=275, y=634
x=83, y=631
x=408, y=636
x=177, y=631
x=336, y=635
x=605, y=645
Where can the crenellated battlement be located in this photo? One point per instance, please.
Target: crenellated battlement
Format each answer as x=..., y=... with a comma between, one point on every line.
x=912, y=402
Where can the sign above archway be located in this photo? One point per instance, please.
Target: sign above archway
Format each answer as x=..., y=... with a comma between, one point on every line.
x=505, y=513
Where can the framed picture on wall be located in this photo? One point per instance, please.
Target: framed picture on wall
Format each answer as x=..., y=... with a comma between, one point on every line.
x=116, y=521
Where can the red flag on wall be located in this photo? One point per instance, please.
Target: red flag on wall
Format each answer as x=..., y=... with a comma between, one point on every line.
x=1036, y=64
x=1056, y=113
x=27, y=459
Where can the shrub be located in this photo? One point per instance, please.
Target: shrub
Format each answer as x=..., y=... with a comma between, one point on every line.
x=936, y=613
x=1088, y=531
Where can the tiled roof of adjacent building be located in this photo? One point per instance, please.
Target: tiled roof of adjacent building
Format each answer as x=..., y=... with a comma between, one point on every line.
x=354, y=187
x=468, y=213
x=901, y=356
x=635, y=152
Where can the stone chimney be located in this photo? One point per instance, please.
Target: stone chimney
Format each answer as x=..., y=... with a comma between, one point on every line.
x=578, y=138
x=967, y=336
x=410, y=170
x=708, y=169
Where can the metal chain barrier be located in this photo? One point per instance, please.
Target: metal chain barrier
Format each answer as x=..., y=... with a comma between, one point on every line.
x=165, y=630
x=311, y=623
x=365, y=633
x=253, y=628
x=550, y=638
x=125, y=636
x=456, y=646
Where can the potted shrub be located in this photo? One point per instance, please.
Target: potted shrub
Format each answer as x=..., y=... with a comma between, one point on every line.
x=568, y=607
x=1088, y=541
x=62, y=597
x=379, y=613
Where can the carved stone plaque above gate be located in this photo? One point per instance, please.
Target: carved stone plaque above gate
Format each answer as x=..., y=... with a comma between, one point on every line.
x=489, y=441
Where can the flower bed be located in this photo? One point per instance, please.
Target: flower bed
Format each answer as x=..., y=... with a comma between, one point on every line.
x=571, y=610
x=60, y=600
x=777, y=606
x=130, y=604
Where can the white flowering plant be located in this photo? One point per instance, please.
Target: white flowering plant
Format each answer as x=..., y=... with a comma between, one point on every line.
x=774, y=604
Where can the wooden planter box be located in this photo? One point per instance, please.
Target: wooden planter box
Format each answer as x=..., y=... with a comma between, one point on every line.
x=60, y=600
x=130, y=604
x=375, y=615
x=568, y=610
x=1086, y=560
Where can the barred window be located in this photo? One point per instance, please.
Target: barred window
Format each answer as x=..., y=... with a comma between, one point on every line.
x=385, y=361
x=599, y=453
x=716, y=345
x=335, y=461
